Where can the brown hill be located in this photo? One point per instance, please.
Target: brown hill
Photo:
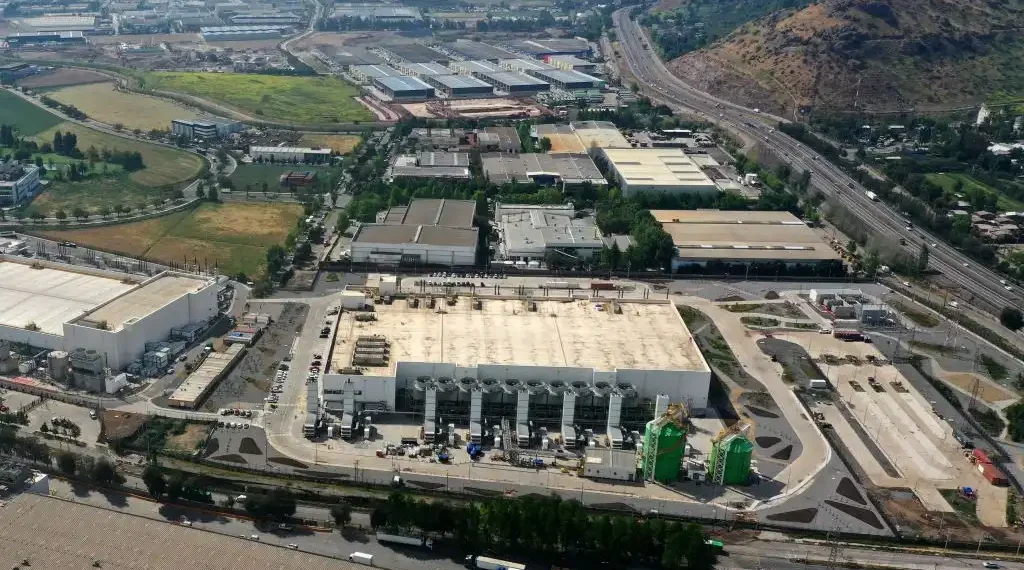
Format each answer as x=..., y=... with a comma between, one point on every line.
x=876, y=55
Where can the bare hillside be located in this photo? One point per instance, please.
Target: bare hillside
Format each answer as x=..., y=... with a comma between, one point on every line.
x=878, y=55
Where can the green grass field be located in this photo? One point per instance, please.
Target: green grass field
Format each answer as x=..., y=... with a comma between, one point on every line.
x=165, y=166
x=947, y=182
x=26, y=117
x=234, y=236
x=257, y=174
x=302, y=100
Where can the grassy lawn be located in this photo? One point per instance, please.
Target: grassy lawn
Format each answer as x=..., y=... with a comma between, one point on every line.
x=968, y=510
x=26, y=117
x=947, y=181
x=304, y=100
x=995, y=369
x=235, y=236
x=165, y=166
x=759, y=321
x=105, y=104
x=257, y=174
x=95, y=193
x=920, y=317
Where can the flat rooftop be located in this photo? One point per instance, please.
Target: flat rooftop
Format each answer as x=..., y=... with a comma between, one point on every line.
x=571, y=168
x=560, y=333
x=53, y=533
x=477, y=66
x=416, y=53
x=461, y=81
x=601, y=134
x=427, y=68
x=562, y=137
x=668, y=167
x=714, y=234
x=144, y=300
x=514, y=79
x=475, y=50
x=404, y=84
x=568, y=77
x=433, y=212
x=375, y=71
x=199, y=382
x=426, y=235
x=51, y=297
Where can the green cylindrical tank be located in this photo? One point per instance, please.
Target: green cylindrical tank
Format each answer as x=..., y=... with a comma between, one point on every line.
x=734, y=452
x=664, y=443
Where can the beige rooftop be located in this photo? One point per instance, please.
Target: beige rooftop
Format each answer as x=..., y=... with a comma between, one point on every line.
x=725, y=234
x=144, y=300
x=579, y=333
x=657, y=167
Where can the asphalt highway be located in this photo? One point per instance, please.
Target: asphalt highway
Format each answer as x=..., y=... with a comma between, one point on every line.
x=658, y=83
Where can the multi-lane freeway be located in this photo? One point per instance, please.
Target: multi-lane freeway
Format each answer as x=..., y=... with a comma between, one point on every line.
x=976, y=281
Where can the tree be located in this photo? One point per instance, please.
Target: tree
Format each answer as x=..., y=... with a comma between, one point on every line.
x=342, y=514
x=200, y=192
x=154, y=479
x=61, y=215
x=212, y=194
x=1012, y=318
x=103, y=473
x=851, y=246
x=545, y=144
x=66, y=463
x=277, y=505
x=79, y=213
x=922, y=259
x=175, y=487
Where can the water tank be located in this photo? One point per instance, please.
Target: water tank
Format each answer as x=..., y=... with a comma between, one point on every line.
x=26, y=366
x=57, y=365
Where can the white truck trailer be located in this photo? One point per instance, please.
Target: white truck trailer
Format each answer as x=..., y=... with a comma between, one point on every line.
x=406, y=540
x=485, y=563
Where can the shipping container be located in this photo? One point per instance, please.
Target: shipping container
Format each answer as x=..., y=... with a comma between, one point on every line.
x=485, y=563
x=980, y=457
x=407, y=540
x=993, y=474
x=601, y=286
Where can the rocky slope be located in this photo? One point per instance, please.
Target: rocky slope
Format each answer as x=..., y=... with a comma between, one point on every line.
x=875, y=55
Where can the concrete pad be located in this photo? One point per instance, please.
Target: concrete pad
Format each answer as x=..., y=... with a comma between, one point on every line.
x=932, y=499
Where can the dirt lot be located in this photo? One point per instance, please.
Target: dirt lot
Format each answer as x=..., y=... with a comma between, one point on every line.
x=249, y=383
x=119, y=425
x=340, y=143
x=188, y=441
x=987, y=390
x=61, y=78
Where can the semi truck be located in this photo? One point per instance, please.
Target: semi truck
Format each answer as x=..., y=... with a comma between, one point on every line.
x=406, y=540
x=871, y=195
x=485, y=563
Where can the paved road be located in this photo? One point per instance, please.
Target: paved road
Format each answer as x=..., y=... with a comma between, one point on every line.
x=660, y=84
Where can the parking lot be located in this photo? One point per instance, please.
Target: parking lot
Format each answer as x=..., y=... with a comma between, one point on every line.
x=252, y=380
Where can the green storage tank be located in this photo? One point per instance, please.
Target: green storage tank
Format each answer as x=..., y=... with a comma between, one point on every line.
x=664, y=443
x=730, y=460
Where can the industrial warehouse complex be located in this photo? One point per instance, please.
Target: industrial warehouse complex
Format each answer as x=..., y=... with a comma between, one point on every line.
x=561, y=364
x=98, y=318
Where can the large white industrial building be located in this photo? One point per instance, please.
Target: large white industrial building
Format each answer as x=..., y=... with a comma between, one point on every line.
x=656, y=171
x=566, y=364
x=100, y=313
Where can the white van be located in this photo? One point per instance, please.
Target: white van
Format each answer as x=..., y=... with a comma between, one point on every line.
x=361, y=558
